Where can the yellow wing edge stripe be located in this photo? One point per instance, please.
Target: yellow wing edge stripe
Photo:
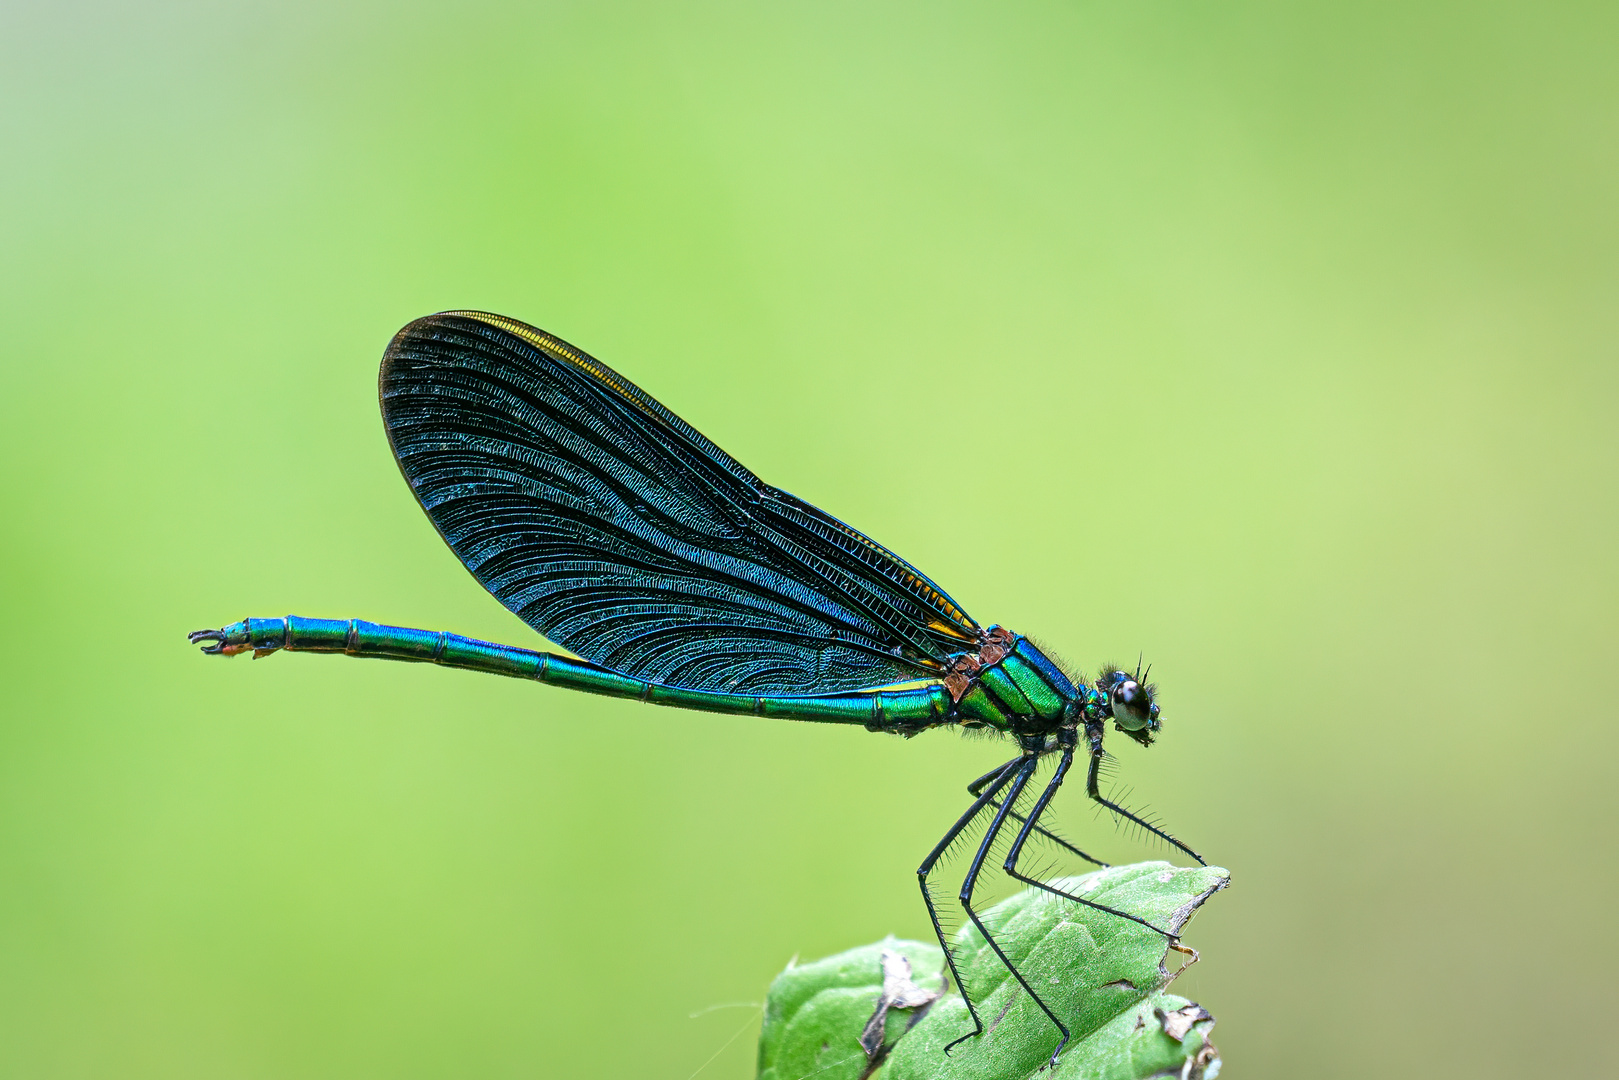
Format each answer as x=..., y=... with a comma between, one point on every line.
x=556, y=346
x=919, y=586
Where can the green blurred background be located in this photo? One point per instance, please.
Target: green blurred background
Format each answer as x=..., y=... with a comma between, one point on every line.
x=1288, y=328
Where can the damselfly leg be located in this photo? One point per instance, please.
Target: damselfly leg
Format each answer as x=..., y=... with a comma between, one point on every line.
x=968, y=884
x=977, y=785
x=996, y=779
x=1030, y=826
x=1012, y=778
x=1094, y=791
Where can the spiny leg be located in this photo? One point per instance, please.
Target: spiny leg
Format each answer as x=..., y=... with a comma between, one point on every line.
x=1030, y=826
x=968, y=883
x=1001, y=777
x=1095, y=793
x=973, y=788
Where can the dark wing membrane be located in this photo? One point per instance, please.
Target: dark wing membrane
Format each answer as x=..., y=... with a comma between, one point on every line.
x=612, y=527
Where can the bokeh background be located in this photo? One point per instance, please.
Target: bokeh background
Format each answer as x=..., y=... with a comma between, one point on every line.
x=1273, y=341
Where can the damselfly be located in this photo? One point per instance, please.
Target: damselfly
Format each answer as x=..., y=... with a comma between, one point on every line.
x=612, y=527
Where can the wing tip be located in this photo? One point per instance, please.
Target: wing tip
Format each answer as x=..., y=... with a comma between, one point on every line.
x=527, y=333
x=439, y=318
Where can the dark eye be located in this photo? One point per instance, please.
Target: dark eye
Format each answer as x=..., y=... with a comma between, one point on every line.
x=1132, y=705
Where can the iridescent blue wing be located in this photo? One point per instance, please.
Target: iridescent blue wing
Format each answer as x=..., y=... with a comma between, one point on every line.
x=612, y=527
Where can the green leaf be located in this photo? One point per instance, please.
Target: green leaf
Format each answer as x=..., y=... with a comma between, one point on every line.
x=1102, y=975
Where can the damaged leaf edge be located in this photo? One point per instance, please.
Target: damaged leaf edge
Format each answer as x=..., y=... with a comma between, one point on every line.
x=1177, y=922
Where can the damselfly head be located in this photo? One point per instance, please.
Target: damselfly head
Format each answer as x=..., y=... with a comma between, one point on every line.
x=1130, y=699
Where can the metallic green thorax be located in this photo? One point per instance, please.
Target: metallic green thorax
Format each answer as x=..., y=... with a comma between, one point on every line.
x=1009, y=686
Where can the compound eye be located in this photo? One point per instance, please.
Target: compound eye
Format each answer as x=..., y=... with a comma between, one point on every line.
x=1132, y=705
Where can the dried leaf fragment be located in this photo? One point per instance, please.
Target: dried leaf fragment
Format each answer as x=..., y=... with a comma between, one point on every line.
x=899, y=992
x=1178, y=1023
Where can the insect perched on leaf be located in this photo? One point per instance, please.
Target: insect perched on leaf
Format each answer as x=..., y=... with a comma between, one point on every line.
x=612, y=527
